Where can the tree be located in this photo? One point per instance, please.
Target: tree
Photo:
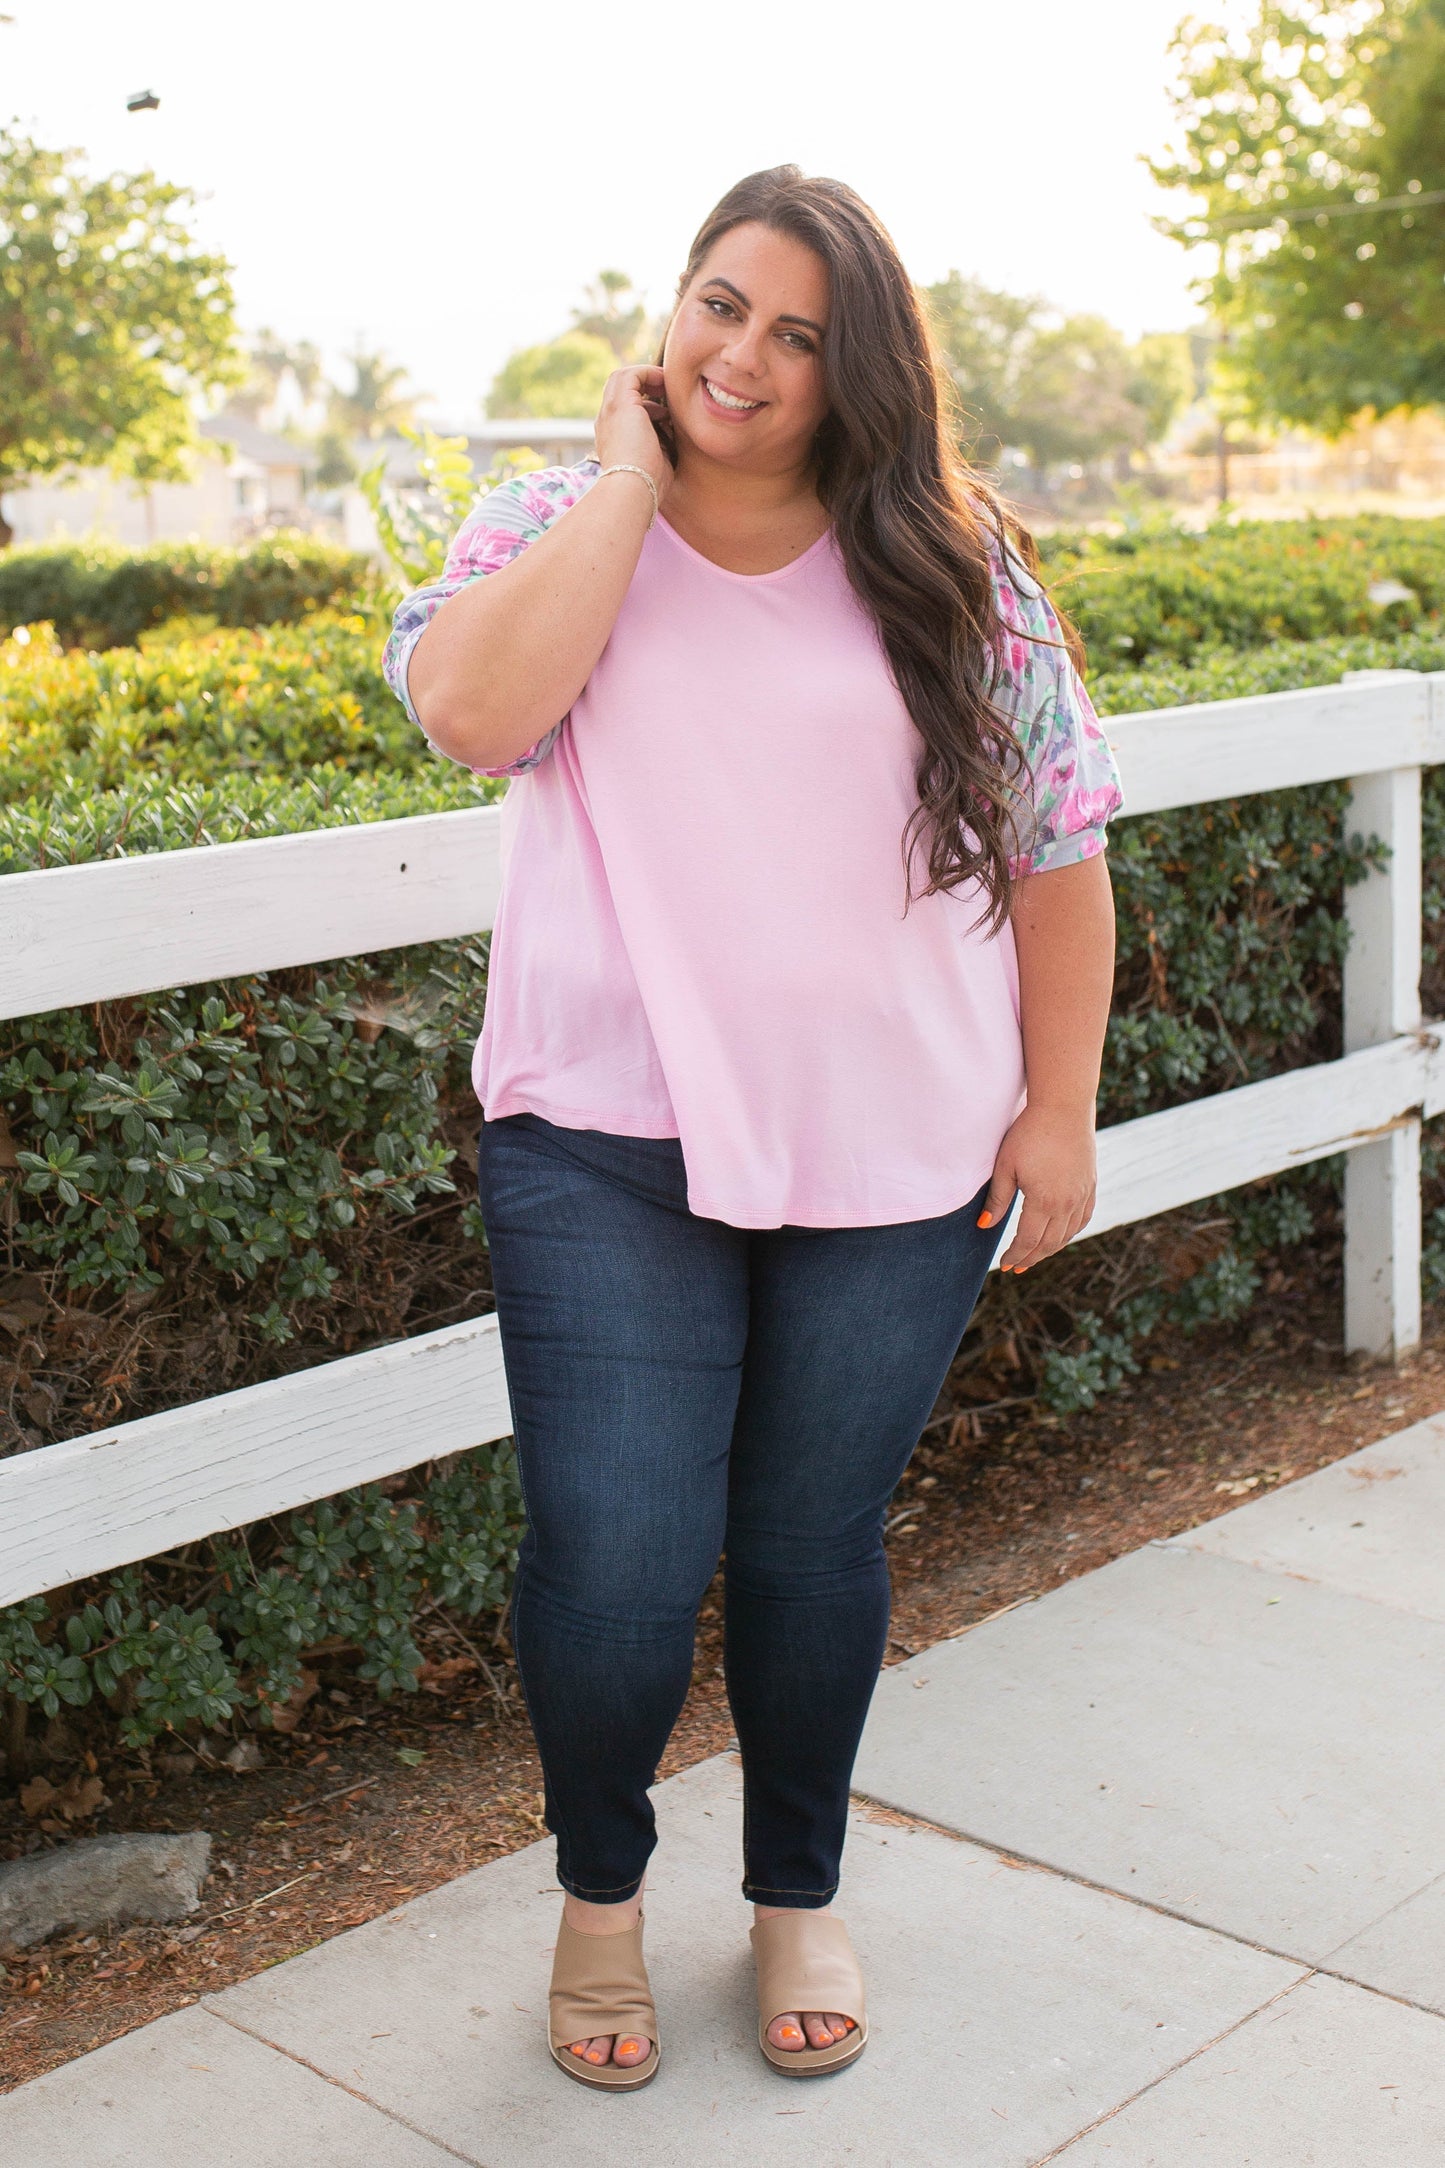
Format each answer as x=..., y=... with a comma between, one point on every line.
x=1313, y=144
x=1063, y=389
x=612, y=309
x=986, y=338
x=112, y=321
x=564, y=376
x=379, y=401
x=271, y=359
x=1162, y=379
x=1077, y=403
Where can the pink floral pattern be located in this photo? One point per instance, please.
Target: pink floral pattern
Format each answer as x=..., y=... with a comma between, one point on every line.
x=1074, y=780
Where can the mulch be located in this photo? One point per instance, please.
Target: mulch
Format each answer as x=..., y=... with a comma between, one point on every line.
x=367, y=1804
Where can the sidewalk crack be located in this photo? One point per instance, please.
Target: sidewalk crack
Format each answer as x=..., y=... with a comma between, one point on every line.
x=1292, y=1987
x=393, y=2115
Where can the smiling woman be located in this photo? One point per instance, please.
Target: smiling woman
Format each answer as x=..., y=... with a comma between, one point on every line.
x=756, y=1109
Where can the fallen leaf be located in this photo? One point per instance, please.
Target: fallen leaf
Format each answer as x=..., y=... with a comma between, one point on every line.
x=80, y=1797
x=286, y=1715
x=434, y=1678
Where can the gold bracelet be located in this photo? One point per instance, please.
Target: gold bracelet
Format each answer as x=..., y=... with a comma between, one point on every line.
x=625, y=466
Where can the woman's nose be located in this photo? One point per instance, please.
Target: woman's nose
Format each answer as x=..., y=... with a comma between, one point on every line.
x=744, y=351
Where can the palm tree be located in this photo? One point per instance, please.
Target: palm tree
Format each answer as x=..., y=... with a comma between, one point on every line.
x=380, y=399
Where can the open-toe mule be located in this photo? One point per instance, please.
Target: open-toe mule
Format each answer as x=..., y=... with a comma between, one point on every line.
x=805, y=1961
x=599, y=1985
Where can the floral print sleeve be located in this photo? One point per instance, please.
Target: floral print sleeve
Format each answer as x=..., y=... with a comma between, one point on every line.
x=499, y=529
x=1074, y=781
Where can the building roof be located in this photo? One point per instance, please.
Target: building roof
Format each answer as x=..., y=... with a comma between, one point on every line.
x=260, y=446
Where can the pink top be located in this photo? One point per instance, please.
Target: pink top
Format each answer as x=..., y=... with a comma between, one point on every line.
x=701, y=929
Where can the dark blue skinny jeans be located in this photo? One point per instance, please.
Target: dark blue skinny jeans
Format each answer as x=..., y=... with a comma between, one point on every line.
x=683, y=1389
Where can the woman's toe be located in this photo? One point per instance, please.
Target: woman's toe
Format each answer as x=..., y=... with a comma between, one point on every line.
x=818, y=2028
x=597, y=2051
x=629, y=2049
x=786, y=2032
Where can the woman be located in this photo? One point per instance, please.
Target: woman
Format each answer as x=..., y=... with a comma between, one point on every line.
x=756, y=1101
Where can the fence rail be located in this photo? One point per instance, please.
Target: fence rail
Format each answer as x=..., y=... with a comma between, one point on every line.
x=129, y=926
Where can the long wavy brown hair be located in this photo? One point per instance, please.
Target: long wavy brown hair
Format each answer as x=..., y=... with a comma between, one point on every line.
x=912, y=521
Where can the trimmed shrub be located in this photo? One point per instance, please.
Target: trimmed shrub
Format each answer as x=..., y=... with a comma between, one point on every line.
x=200, y=709
x=99, y=595
x=1142, y=597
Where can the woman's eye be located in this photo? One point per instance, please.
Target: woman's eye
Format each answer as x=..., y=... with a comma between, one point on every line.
x=715, y=301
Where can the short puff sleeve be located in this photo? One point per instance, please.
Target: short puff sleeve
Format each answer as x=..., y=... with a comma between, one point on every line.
x=499, y=529
x=1073, y=780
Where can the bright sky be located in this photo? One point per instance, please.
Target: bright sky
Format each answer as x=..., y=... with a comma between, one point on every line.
x=444, y=179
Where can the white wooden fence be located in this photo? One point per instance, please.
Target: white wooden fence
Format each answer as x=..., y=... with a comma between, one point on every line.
x=98, y=932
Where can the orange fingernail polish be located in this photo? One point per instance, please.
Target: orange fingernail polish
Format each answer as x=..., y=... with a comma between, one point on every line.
x=985, y=1219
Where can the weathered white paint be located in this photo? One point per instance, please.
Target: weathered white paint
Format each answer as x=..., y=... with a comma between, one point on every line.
x=1381, y=999
x=175, y=918
x=99, y=1502
x=1174, y=1158
x=1383, y=1245
x=1231, y=748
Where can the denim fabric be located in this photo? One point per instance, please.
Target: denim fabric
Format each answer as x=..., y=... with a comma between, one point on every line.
x=682, y=1389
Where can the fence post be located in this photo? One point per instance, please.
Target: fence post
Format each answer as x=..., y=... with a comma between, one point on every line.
x=1382, y=1000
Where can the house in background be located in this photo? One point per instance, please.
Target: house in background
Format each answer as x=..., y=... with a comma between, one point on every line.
x=246, y=482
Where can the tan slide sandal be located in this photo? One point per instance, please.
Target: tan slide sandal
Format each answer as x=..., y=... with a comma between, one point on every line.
x=805, y=1961
x=599, y=1985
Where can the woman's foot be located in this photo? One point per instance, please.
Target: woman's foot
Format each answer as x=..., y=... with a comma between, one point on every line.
x=626, y=2050
x=799, y=2029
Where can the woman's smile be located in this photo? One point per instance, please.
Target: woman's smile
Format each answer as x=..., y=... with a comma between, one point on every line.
x=732, y=405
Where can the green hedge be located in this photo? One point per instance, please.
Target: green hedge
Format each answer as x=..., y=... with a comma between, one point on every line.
x=218, y=1183
x=226, y=704
x=98, y=595
x=1139, y=597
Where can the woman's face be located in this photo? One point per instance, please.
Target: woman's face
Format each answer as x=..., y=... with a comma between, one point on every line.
x=743, y=363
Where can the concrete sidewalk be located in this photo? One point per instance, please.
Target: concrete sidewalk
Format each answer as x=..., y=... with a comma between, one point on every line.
x=1150, y=1873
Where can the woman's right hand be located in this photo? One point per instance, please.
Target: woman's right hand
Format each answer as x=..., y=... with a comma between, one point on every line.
x=634, y=406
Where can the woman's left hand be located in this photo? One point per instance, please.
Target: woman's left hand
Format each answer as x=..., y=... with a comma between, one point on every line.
x=1049, y=1155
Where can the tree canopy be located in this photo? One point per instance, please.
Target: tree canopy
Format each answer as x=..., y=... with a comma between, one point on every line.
x=613, y=309
x=563, y=376
x=1063, y=389
x=566, y=375
x=1313, y=143
x=112, y=320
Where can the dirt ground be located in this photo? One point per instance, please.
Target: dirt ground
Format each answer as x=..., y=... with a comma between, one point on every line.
x=365, y=1805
